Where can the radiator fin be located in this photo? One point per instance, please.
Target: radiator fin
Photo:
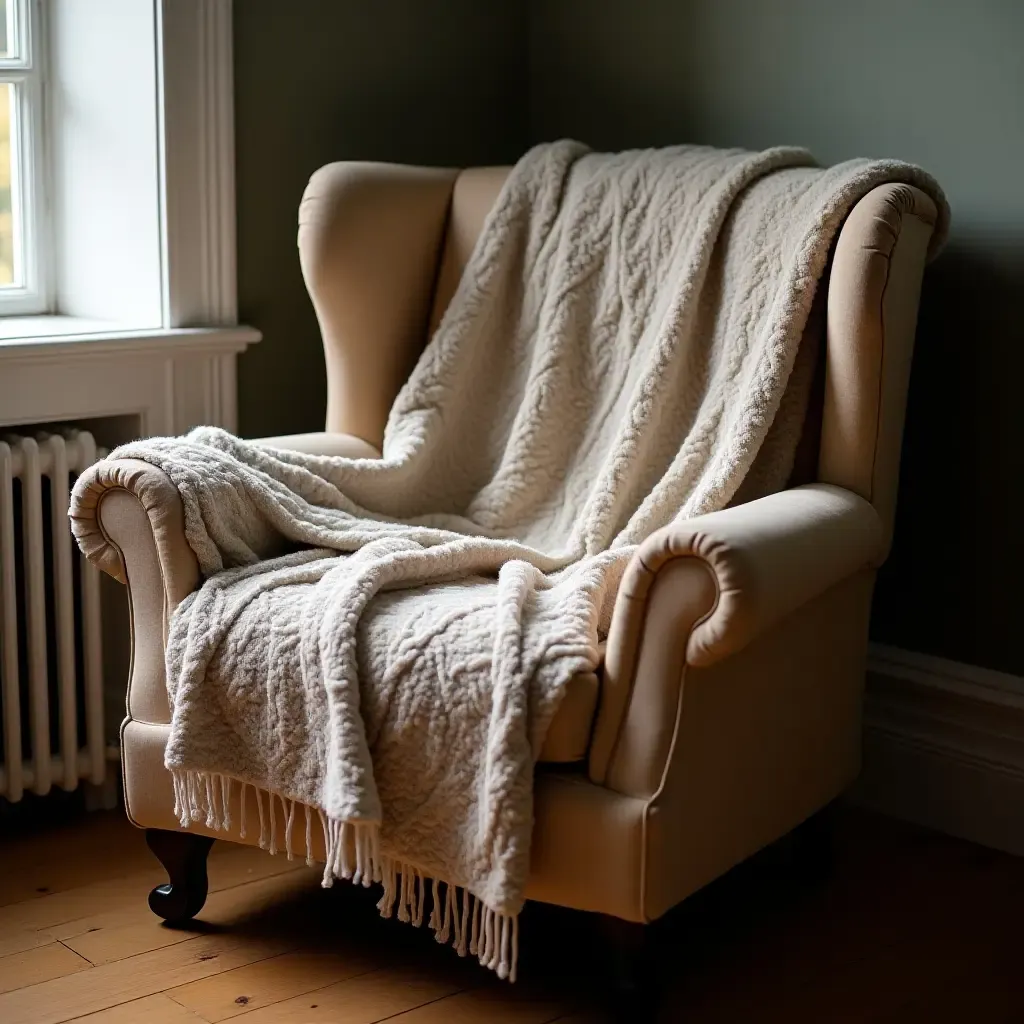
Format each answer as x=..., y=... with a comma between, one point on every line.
x=50, y=641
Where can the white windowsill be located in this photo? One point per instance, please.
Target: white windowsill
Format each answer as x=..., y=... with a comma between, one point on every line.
x=164, y=380
x=58, y=336
x=17, y=328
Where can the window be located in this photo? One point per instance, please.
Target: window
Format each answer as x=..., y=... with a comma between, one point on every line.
x=116, y=172
x=22, y=287
x=123, y=109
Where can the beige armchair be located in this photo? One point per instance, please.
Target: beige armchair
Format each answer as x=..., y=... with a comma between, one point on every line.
x=727, y=710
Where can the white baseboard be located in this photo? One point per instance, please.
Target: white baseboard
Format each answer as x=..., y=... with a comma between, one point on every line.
x=944, y=746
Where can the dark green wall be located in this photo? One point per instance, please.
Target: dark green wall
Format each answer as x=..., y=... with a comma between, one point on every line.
x=939, y=82
x=419, y=81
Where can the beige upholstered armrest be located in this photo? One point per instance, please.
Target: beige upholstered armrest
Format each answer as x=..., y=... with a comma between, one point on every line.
x=323, y=443
x=107, y=525
x=697, y=591
x=120, y=504
x=128, y=518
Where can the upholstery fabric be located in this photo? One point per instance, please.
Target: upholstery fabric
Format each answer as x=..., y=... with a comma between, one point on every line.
x=369, y=238
x=701, y=590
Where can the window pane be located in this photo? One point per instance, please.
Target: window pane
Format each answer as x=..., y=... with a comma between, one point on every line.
x=6, y=205
x=7, y=28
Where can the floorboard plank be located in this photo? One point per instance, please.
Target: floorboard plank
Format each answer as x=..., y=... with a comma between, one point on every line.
x=269, y=981
x=41, y=964
x=493, y=1004
x=136, y=929
x=16, y=940
x=156, y=1009
x=910, y=927
x=38, y=921
x=362, y=1000
x=96, y=847
x=63, y=999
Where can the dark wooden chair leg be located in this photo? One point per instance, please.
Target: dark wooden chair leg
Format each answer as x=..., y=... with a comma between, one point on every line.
x=183, y=854
x=632, y=970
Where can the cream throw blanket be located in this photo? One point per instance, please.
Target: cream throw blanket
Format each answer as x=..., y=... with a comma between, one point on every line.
x=615, y=357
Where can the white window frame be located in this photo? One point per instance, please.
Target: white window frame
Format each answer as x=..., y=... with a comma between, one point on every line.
x=197, y=147
x=176, y=368
x=30, y=292
x=194, y=140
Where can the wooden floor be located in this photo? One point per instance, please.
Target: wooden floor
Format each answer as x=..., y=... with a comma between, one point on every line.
x=909, y=927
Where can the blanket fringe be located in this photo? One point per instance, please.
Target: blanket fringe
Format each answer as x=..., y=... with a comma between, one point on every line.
x=460, y=918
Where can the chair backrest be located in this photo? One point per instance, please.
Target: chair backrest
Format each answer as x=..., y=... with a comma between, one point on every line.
x=383, y=248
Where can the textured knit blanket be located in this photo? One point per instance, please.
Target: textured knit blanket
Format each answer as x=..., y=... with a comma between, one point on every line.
x=379, y=646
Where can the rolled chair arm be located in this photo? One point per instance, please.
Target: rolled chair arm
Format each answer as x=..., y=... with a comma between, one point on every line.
x=700, y=590
x=128, y=519
x=107, y=542
x=97, y=513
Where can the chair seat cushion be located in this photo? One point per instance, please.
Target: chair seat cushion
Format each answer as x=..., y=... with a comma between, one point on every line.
x=568, y=737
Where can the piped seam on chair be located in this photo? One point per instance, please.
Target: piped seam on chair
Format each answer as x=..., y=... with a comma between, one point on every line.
x=120, y=554
x=131, y=610
x=635, y=656
x=131, y=604
x=881, y=360
x=670, y=754
x=649, y=802
x=124, y=770
x=889, y=258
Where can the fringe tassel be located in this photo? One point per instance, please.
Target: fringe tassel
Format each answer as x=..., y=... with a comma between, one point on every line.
x=272, y=849
x=463, y=925
x=309, y=837
x=263, y=824
x=474, y=935
x=225, y=800
x=443, y=933
x=421, y=900
x=434, y=923
x=353, y=852
x=288, y=830
x=386, y=904
x=210, y=803
x=403, y=899
x=328, y=879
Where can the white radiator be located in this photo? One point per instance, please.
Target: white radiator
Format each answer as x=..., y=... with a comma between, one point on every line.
x=51, y=677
